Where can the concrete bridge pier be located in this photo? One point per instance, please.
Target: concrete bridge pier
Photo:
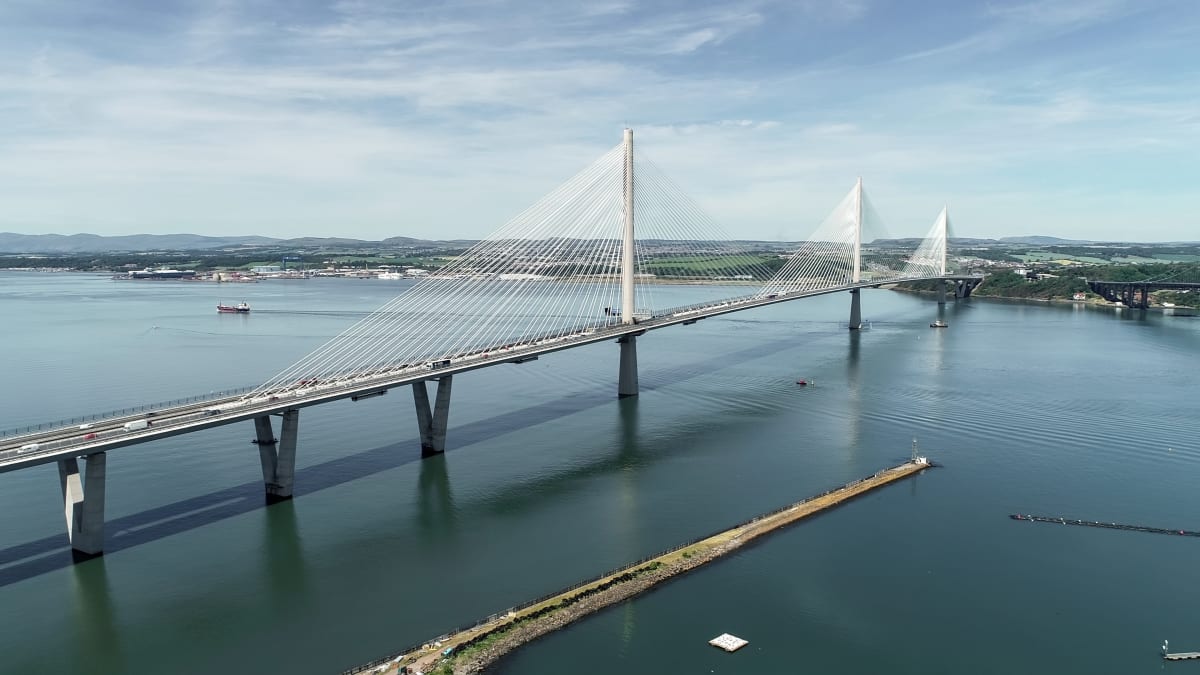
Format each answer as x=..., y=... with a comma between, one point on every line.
x=432, y=422
x=627, y=384
x=964, y=287
x=278, y=456
x=941, y=292
x=855, y=310
x=83, y=504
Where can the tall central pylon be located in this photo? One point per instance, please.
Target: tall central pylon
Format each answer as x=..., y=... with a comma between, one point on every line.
x=627, y=251
x=627, y=380
x=944, y=220
x=856, y=258
x=856, y=272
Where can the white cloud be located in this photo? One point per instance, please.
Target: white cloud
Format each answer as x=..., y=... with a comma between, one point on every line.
x=692, y=41
x=377, y=120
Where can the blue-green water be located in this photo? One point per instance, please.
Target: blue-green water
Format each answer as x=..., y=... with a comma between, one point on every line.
x=1037, y=409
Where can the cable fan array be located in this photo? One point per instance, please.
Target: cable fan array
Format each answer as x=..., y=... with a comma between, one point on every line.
x=549, y=274
x=826, y=258
x=929, y=260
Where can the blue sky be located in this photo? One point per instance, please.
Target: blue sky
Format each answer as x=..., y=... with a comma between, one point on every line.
x=1071, y=118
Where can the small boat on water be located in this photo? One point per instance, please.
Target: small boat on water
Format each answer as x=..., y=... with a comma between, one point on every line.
x=240, y=308
x=938, y=324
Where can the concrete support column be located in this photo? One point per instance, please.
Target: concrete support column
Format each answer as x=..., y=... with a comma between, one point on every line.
x=432, y=422
x=855, y=310
x=941, y=291
x=278, y=456
x=285, y=461
x=267, y=445
x=627, y=383
x=83, y=503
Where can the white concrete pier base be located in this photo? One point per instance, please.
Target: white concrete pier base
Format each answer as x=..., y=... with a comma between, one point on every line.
x=278, y=456
x=432, y=422
x=941, y=291
x=627, y=384
x=83, y=503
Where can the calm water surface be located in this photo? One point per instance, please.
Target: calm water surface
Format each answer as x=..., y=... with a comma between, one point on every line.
x=1038, y=409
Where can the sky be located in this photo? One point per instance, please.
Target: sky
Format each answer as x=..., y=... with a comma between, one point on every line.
x=444, y=119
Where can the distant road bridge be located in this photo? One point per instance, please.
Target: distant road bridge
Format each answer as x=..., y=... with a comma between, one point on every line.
x=1136, y=294
x=565, y=273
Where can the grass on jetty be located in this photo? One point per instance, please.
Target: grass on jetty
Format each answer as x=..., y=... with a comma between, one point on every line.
x=468, y=650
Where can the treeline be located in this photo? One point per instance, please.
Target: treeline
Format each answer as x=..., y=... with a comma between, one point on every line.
x=1178, y=272
x=1110, y=252
x=1006, y=284
x=206, y=262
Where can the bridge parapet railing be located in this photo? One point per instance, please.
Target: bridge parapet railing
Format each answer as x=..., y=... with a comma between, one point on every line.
x=673, y=311
x=122, y=412
x=66, y=423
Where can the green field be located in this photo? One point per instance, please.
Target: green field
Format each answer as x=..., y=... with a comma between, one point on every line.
x=1043, y=256
x=708, y=263
x=1177, y=257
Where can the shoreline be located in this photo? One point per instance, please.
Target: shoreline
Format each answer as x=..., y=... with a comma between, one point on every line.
x=473, y=649
x=1092, y=302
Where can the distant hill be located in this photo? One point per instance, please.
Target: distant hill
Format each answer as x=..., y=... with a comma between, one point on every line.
x=323, y=242
x=60, y=244
x=1036, y=240
x=94, y=243
x=910, y=242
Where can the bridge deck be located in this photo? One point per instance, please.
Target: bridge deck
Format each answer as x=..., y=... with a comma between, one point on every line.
x=47, y=446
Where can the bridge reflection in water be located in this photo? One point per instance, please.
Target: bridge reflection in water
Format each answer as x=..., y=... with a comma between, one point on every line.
x=567, y=272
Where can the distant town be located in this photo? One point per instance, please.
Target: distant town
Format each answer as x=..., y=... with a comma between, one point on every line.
x=1041, y=268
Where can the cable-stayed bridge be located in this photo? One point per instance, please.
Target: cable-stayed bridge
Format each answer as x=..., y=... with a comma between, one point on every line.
x=578, y=267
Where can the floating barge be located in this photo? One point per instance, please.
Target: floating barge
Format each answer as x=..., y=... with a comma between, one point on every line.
x=730, y=643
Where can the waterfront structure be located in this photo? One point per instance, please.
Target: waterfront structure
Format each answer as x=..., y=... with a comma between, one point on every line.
x=1136, y=294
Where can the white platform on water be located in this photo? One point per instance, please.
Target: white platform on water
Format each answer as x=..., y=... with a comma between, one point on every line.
x=730, y=643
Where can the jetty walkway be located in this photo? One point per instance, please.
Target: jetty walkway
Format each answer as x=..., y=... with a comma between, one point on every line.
x=470, y=650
